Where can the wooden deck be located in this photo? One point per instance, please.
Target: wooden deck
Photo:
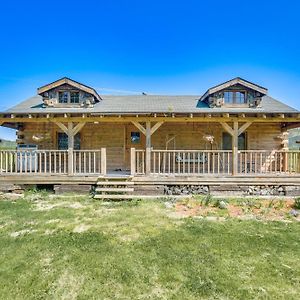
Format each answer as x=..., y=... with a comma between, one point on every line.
x=207, y=167
x=155, y=180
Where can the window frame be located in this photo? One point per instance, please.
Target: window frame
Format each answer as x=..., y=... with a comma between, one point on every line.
x=69, y=92
x=138, y=134
x=244, y=134
x=63, y=92
x=74, y=92
x=77, y=141
x=234, y=102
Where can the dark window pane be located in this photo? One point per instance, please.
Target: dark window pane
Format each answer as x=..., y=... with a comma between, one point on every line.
x=63, y=97
x=234, y=97
x=74, y=97
x=135, y=137
x=62, y=141
x=228, y=97
x=242, y=142
x=227, y=141
x=240, y=97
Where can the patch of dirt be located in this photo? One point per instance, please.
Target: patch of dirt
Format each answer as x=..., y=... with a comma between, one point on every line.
x=75, y=205
x=22, y=232
x=53, y=221
x=81, y=228
x=269, y=210
x=44, y=205
x=46, y=260
x=67, y=286
x=129, y=237
x=49, y=231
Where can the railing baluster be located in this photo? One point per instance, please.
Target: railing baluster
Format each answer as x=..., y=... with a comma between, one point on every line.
x=208, y=162
x=158, y=162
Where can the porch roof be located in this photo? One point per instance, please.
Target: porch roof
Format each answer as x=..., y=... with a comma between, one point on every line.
x=143, y=104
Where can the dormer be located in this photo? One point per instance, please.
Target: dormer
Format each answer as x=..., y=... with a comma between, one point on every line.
x=235, y=93
x=66, y=92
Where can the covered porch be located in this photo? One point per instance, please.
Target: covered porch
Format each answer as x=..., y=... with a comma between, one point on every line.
x=159, y=149
x=169, y=146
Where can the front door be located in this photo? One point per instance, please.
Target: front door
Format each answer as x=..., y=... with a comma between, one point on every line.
x=133, y=139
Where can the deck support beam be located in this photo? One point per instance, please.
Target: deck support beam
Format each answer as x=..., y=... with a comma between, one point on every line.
x=70, y=130
x=148, y=131
x=235, y=132
x=235, y=147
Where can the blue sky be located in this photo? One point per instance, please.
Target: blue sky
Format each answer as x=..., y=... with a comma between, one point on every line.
x=161, y=47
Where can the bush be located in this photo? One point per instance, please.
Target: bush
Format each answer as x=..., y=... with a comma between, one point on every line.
x=297, y=203
x=207, y=200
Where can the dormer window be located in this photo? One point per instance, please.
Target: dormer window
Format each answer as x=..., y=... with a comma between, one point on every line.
x=74, y=97
x=63, y=97
x=66, y=92
x=234, y=97
x=236, y=93
x=68, y=97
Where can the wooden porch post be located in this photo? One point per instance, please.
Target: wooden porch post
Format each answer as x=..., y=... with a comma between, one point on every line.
x=235, y=140
x=148, y=148
x=132, y=161
x=103, y=161
x=71, y=132
x=235, y=132
x=70, y=148
x=148, y=131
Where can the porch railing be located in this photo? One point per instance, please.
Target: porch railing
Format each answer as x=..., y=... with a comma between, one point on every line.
x=34, y=161
x=268, y=162
x=52, y=162
x=191, y=162
x=87, y=161
x=177, y=162
x=216, y=162
x=139, y=164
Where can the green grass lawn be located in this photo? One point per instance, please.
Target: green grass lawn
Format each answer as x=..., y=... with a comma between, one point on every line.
x=78, y=248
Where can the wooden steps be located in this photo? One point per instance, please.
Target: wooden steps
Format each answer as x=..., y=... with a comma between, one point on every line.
x=115, y=182
x=114, y=197
x=117, y=188
x=114, y=189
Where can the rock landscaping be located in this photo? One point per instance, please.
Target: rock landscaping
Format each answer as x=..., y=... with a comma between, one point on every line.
x=245, y=209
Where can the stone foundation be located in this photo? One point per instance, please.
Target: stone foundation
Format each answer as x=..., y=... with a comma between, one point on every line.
x=266, y=190
x=170, y=189
x=186, y=189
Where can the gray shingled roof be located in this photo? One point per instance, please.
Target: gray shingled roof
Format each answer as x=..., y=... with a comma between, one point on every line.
x=142, y=104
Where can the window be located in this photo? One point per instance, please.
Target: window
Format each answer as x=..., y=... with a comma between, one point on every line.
x=135, y=137
x=68, y=97
x=74, y=97
x=227, y=141
x=234, y=97
x=62, y=141
x=63, y=97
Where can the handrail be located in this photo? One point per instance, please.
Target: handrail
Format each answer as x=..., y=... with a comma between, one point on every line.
x=191, y=162
x=31, y=161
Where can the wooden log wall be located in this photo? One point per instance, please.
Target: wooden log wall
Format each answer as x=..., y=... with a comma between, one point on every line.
x=116, y=137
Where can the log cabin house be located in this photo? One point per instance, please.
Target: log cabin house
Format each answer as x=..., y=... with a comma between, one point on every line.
x=233, y=136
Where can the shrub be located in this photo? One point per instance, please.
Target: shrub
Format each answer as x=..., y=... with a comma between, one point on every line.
x=207, y=199
x=297, y=203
